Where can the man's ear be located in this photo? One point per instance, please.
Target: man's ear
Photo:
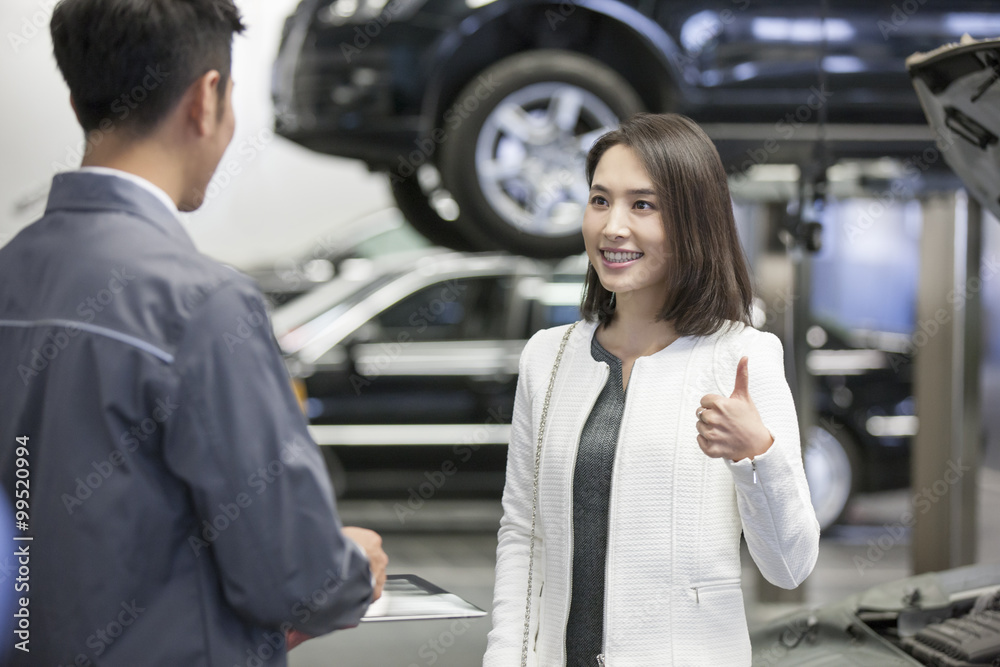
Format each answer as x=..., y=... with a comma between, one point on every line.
x=204, y=101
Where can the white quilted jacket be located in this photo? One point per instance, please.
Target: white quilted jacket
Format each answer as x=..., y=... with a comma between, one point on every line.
x=673, y=593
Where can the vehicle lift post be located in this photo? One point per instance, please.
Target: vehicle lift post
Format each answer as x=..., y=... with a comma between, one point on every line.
x=947, y=345
x=801, y=235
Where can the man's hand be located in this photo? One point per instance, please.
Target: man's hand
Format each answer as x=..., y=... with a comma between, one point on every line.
x=293, y=638
x=371, y=542
x=732, y=427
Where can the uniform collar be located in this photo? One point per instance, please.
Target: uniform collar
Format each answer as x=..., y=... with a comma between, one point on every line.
x=102, y=189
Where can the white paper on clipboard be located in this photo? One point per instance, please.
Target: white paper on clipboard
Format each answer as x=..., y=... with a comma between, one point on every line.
x=407, y=597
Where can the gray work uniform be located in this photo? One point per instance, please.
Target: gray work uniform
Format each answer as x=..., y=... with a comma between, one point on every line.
x=180, y=512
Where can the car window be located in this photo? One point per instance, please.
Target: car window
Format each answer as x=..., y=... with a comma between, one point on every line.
x=460, y=309
x=553, y=302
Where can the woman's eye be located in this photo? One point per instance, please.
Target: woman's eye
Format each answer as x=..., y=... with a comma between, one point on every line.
x=598, y=200
x=644, y=205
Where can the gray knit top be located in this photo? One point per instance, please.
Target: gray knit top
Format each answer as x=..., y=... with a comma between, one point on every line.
x=591, y=496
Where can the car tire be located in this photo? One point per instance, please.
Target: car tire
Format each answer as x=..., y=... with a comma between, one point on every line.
x=415, y=205
x=833, y=471
x=519, y=134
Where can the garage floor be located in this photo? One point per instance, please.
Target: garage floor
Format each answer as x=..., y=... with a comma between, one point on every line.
x=463, y=562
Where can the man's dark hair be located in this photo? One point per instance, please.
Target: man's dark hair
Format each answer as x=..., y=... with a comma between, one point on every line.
x=129, y=62
x=708, y=281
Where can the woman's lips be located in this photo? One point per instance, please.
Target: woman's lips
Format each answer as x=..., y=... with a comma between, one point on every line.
x=620, y=258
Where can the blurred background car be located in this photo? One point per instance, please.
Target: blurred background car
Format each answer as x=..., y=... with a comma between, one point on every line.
x=379, y=234
x=410, y=366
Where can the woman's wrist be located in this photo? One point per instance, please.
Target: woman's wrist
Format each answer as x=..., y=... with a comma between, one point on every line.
x=766, y=440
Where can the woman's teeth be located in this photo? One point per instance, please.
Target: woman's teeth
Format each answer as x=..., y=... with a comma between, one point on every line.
x=621, y=257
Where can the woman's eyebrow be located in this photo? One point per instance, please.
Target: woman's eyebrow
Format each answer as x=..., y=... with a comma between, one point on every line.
x=633, y=191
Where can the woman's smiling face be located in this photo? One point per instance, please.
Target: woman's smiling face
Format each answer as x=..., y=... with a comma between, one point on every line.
x=623, y=230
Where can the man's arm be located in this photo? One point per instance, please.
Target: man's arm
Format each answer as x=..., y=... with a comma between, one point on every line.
x=265, y=506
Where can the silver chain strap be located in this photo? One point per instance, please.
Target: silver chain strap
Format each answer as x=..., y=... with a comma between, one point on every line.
x=534, y=494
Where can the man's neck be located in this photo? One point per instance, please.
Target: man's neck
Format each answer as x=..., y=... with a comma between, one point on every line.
x=149, y=165
x=138, y=180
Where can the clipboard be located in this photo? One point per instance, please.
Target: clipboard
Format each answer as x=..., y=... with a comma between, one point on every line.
x=407, y=597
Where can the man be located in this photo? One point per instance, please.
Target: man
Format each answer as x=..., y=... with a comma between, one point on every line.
x=179, y=512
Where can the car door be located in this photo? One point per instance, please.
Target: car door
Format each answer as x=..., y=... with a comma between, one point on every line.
x=425, y=370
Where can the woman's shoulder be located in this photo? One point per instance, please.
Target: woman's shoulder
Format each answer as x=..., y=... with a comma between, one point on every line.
x=542, y=347
x=734, y=335
x=547, y=341
x=737, y=340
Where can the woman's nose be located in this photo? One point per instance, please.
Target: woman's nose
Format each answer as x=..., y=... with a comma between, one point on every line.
x=616, y=225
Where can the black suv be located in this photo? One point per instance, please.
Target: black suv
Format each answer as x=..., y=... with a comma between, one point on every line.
x=481, y=111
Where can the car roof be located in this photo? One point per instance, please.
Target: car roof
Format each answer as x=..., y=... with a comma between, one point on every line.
x=311, y=324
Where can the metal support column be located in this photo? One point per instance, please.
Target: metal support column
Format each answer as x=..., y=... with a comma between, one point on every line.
x=790, y=326
x=947, y=346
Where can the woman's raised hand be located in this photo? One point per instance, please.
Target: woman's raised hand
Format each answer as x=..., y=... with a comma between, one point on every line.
x=732, y=427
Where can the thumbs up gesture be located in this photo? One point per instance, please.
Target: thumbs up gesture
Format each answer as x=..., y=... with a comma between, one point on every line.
x=731, y=427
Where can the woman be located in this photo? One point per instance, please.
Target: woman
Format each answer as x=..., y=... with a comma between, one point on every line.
x=670, y=429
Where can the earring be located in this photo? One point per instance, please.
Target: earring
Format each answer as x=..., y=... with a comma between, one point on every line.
x=611, y=301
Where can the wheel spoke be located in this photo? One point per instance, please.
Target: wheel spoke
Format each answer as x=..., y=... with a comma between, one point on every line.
x=498, y=170
x=564, y=108
x=515, y=121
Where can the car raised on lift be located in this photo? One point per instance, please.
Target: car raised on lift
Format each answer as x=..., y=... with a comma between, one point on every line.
x=482, y=111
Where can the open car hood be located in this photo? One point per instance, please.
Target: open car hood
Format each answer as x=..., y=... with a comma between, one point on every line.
x=913, y=622
x=959, y=89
